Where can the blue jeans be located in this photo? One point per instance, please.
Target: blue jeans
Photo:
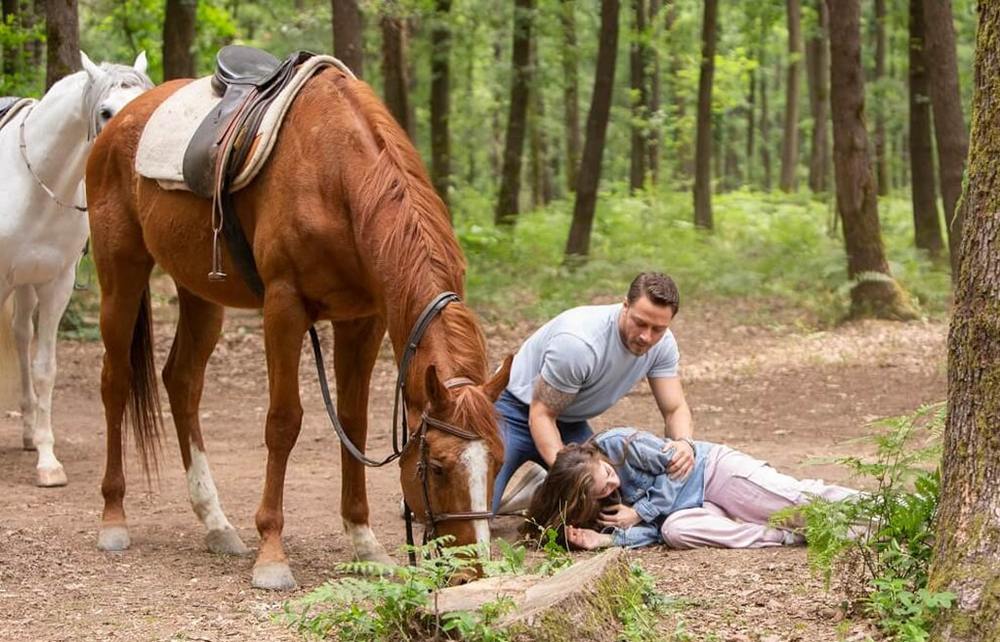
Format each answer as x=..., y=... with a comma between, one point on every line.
x=519, y=447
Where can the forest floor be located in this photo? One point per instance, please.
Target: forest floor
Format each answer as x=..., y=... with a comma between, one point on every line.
x=755, y=378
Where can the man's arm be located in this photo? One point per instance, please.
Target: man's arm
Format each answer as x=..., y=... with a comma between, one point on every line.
x=546, y=405
x=677, y=424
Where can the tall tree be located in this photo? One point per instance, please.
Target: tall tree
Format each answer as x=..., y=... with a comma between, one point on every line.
x=520, y=86
x=790, y=137
x=8, y=15
x=966, y=558
x=818, y=74
x=949, y=126
x=926, y=225
x=538, y=145
x=347, y=35
x=62, y=35
x=874, y=292
x=394, y=65
x=703, y=136
x=638, y=54
x=765, y=123
x=578, y=242
x=441, y=99
x=655, y=95
x=178, y=39
x=571, y=107
x=751, y=125
x=881, y=141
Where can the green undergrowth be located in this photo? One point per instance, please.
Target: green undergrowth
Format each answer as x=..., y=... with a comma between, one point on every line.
x=396, y=603
x=766, y=247
x=877, y=549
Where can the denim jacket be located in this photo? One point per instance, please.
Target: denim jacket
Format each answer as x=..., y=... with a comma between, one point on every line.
x=641, y=463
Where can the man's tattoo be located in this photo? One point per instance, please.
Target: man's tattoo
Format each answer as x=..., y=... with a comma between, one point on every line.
x=557, y=400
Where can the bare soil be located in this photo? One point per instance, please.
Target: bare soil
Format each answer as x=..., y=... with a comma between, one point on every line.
x=774, y=390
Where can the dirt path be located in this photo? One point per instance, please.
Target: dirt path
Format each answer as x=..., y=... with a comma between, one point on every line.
x=775, y=392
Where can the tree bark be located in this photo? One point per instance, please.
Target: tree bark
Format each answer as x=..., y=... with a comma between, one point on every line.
x=520, y=86
x=348, y=32
x=578, y=242
x=394, y=69
x=8, y=14
x=881, y=141
x=765, y=125
x=178, y=39
x=62, y=35
x=875, y=293
x=541, y=175
x=926, y=225
x=703, y=137
x=949, y=126
x=966, y=558
x=790, y=138
x=639, y=96
x=818, y=66
x=751, y=124
x=441, y=99
x=571, y=107
x=653, y=105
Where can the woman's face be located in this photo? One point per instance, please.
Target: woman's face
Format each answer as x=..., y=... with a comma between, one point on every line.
x=605, y=480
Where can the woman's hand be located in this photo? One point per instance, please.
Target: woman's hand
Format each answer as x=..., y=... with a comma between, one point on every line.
x=619, y=516
x=586, y=538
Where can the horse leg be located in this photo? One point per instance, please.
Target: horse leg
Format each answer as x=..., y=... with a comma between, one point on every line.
x=356, y=345
x=25, y=301
x=198, y=329
x=285, y=324
x=53, y=297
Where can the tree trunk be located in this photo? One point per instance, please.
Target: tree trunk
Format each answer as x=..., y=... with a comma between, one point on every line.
x=684, y=158
x=62, y=35
x=578, y=242
x=926, y=225
x=966, y=558
x=541, y=175
x=178, y=39
x=703, y=137
x=8, y=14
x=394, y=69
x=818, y=65
x=874, y=293
x=441, y=99
x=790, y=138
x=639, y=96
x=348, y=32
x=510, y=184
x=751, y=124
x=653, y=105
x=31, y=12
x=571, y=107
x=881, y=141
x=765, y=125
x=949, y=126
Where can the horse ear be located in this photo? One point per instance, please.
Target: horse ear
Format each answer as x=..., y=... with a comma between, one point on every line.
x=498, y=382
x=140, y=63
x=437, y=394
x=93, y=70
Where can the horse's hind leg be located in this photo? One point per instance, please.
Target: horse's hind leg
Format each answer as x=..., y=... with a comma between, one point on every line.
x=52, y=300
x=25, y=301
x=198, y=330
x=356, y=345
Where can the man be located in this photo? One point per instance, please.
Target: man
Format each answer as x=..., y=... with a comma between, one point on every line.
x=581, y=363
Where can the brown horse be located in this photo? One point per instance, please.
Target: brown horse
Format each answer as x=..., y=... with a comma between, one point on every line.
x=344, y=226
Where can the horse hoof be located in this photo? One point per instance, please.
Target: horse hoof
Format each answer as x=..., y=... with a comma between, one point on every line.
x=225, y=541
x=113, y=538
x=376, y=555
x=273, y=576
x=48, y=477
x=27, y=443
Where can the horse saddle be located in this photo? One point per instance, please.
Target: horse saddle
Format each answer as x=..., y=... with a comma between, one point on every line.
x=10, y=106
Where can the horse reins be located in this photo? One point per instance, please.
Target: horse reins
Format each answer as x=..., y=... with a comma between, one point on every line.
x=31, y=170
x=399, y=421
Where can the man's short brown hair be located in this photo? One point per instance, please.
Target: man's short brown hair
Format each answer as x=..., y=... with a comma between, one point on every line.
x=657, y=287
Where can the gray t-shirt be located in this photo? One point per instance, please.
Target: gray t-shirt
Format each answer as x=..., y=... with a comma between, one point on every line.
x=581, y=351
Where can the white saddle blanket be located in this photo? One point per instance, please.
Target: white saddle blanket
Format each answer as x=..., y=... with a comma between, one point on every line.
x=169, y=130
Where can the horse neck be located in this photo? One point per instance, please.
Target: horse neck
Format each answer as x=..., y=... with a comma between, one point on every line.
x=55, y=136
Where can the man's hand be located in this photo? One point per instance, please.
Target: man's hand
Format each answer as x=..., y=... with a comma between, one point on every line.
x=683, y=461
x=619, y=516
x=587, y=539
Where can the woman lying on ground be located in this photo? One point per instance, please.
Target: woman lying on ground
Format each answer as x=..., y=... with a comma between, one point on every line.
x=614, y=490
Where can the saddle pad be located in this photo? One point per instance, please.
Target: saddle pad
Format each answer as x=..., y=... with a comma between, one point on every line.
x=10, y=106
x=169, y=130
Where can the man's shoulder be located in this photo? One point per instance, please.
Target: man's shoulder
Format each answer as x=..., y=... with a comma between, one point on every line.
x=588, y=323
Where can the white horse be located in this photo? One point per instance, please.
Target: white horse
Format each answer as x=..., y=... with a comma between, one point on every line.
x=43, y=229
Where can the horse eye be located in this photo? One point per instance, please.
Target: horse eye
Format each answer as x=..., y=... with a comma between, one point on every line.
x=436, y=467
x=106, y=113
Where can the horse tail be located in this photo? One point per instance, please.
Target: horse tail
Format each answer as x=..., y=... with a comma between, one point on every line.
x=143, y=407
x=10, y=371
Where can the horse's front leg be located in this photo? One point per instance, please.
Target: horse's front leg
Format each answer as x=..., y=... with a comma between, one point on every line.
x=356, y=345
x=285, y=324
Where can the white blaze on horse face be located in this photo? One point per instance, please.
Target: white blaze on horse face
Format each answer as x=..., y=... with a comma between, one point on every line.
x=204, y=497
x=476, y=461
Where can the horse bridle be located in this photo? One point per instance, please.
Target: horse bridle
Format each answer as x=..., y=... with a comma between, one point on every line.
x=427, y=422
